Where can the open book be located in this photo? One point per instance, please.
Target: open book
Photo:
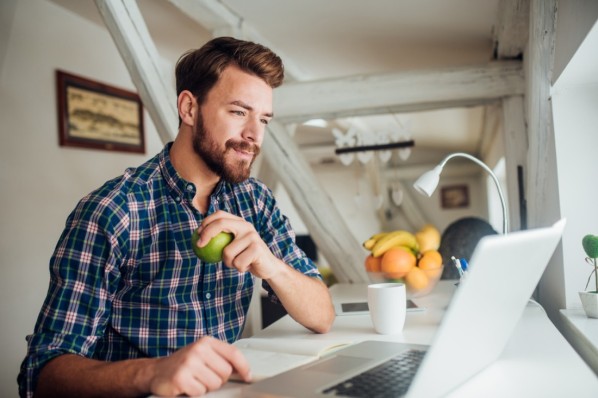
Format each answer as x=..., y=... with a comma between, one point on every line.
x=269, y=357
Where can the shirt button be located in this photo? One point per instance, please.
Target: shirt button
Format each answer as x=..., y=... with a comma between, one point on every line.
x=208, y=296
x=177, y=199
x=190, y=187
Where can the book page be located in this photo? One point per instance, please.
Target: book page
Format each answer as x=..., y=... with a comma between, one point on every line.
x=269, y=357
x=266, y=364
x=306, y=347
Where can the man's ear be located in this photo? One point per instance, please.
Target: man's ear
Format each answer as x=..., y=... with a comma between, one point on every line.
x=187, y=107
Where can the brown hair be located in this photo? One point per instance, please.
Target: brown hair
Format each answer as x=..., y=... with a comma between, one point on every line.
x=199, y=70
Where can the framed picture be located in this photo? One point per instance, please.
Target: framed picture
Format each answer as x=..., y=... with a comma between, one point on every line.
x=454, y=196
x=98, y=116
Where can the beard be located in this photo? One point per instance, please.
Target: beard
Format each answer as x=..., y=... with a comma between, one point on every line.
x=226, y=167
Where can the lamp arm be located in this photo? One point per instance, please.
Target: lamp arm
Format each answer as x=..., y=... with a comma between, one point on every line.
x=505, y=222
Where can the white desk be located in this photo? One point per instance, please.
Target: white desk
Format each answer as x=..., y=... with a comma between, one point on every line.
x=537, y=362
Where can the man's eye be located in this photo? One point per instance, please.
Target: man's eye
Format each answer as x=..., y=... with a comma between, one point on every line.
x=265, y=121
x=238, y=113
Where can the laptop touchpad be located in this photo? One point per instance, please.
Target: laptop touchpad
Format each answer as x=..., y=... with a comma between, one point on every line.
x=338, y=364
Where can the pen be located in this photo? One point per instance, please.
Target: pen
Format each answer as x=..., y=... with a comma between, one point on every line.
x=464, y=264
x=457, y=265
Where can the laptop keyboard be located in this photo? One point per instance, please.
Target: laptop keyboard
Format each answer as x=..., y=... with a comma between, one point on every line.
x=389, y=379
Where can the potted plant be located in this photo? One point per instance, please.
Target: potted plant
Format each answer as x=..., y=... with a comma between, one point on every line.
x=589, y=298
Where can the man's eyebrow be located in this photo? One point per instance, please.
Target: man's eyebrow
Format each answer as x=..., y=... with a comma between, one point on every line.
x=249, y=107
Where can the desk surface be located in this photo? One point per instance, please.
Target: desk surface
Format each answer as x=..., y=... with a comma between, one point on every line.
x=537, y=362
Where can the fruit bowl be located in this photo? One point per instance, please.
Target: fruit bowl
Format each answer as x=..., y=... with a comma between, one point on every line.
x=401, y=256
x=420, y=283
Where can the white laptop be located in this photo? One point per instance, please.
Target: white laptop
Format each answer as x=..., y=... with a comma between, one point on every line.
x=503, y=272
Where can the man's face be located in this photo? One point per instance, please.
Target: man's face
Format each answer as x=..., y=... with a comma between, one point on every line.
x=231, y=124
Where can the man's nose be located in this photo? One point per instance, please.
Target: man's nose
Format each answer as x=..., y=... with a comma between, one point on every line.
x=253, y=130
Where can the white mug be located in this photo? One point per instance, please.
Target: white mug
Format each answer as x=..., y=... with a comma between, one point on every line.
x=388, y=307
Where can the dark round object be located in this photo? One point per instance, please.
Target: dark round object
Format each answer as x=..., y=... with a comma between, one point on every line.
x=459, y=239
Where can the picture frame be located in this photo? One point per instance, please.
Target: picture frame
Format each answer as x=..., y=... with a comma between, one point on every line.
x=454, y=196
x=98, y=116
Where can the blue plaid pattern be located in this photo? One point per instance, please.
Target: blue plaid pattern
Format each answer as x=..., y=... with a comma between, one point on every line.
x=125, y=282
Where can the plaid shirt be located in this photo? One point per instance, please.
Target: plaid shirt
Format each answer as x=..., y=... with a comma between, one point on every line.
x=125, y=282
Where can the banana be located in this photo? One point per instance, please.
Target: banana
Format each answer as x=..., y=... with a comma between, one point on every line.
x=369, y=244
x=371, y=241
x=392, y=239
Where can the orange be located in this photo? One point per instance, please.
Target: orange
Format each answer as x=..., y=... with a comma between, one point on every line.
x=430, y=259
x=416, y=279
x=396, y=262
x=372, y=264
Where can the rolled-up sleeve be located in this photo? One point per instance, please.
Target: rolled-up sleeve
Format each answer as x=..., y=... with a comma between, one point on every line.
x=84, y=275
x=275, y=229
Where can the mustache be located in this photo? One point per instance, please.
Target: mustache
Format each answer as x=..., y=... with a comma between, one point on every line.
x=243, y=146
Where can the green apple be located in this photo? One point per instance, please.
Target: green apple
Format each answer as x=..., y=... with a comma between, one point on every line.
x=590, y=245
x=212, y=252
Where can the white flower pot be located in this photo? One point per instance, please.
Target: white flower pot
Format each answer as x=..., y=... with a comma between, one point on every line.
x=589, y=301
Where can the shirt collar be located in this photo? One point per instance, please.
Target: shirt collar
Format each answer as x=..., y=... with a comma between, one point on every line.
x=179, y=187
x=176, y=184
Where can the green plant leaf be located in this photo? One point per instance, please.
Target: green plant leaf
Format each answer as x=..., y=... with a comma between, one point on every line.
x=590, y=245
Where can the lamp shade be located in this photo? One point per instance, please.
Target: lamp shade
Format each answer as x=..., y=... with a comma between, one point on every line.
x=427, y=183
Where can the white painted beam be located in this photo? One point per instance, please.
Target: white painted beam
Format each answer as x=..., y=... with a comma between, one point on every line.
x=511, y=33
x=398, y=92
x=542, y=184
x=490, y=126
x=222, y=21
x=516, y=147
x=127, y=27
x=212, y=15
x=320, y=215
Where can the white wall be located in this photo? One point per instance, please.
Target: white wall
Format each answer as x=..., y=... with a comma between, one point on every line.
x=441, y=218
x=342, y=185
x=575, y=117
x=575, y=121
x=41, y=182
x=575, y=105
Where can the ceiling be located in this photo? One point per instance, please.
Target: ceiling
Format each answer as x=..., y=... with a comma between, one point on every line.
x=337, y=38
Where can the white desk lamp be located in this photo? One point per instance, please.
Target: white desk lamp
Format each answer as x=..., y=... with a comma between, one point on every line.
x=427, y=183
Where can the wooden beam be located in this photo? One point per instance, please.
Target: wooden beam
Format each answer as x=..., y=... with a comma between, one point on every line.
x=127, y=27
x=511, y=33
x=542, y=184
x=398, y=92
x=212, y=15
x=222, y=21
x=490, y=126
x=516, y=146
x=334, y=239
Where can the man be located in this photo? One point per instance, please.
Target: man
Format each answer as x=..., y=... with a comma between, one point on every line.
x=131, y=310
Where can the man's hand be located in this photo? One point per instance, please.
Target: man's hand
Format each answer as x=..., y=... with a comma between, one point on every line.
x=306, y=299
x=198, y=368
x=247, y=252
